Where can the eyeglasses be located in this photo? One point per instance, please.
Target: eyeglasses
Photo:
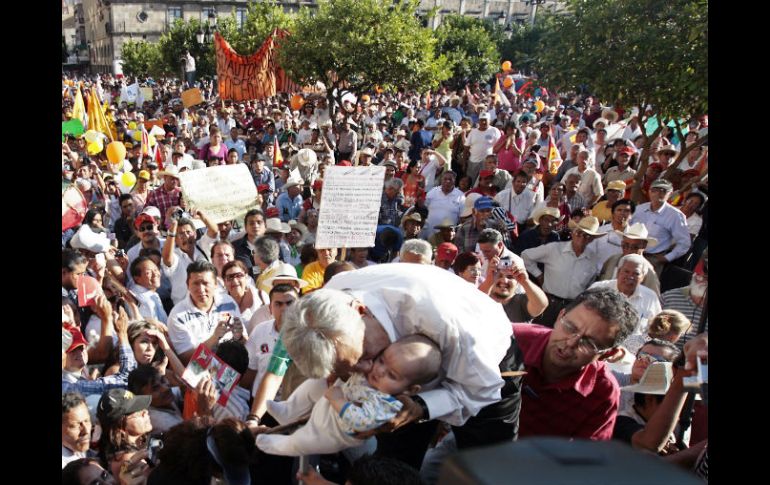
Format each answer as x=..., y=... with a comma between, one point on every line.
x=146, y=227
x=585, y=345
x=235, y=276
x=641, y=355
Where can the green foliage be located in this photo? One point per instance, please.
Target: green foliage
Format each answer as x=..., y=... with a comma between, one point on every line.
x=470, y=45
x=360, y=44
x=261, y=19
x=523, y=48
x=182, y=36
x=141, y=59
x=634, y=53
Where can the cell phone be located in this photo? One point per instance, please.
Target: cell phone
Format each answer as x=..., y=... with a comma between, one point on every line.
x=153, y=446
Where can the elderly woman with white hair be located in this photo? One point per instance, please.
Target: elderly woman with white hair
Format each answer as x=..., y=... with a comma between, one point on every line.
x=631, y=271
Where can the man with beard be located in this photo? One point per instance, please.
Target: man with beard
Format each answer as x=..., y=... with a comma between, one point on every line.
x=179, y=251
x=690, y=299
x=520, y=307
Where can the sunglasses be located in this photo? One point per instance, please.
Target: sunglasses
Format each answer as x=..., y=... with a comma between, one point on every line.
x=235, y=276
x=146, y=227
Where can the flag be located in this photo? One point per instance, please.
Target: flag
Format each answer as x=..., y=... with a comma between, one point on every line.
x=79, y=109
x=88, y=289
x=96, y=119
x=277, y=155
x=499, y=96
x=554, y=159
x=145, y=141
x=524, y=87
x=73, y=207
x=159, y=155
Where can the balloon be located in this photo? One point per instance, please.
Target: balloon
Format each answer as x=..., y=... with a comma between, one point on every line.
x=95, y=147
x=137, y=135
x=506, y=66
x=539, y=106
x=128, y=179
x=151, y=140
x=296, y=102
x=116, y=152
x=132, y=125
x=378, y=89
x=507, y=82
x=92, y=135
x=365, y=98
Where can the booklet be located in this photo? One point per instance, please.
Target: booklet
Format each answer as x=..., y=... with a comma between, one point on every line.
x=204, y=362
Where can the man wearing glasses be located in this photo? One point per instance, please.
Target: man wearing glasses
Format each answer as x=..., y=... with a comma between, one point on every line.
x=147, y=230
x=666, y=223
x=568, y=390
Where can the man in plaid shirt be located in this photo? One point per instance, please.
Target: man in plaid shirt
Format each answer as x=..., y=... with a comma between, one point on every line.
x=167, y=195
x=73, y=377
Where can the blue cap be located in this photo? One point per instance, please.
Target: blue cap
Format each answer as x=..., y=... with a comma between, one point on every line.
x=483, y=203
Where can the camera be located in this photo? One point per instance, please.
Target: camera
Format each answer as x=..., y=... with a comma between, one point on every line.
x=153, y=446
x=505, y=264
x=120, y=253
x=179, y=213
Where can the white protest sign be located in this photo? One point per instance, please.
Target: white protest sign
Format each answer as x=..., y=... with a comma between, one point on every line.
x=223, y=193
x=350, y=206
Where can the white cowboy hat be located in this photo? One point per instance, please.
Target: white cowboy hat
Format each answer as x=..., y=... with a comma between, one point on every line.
x=170, y=170
x=307, y=157
x=546, y=211
x=470, y=199
x=274, y=225
x=638, y=231
x=588, y=225
x=285, y=273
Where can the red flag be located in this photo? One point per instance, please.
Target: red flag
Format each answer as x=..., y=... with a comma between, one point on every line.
x=159, y=156
x=277, y=155
x=88, y=289
x=73, y=208
x=523, y=87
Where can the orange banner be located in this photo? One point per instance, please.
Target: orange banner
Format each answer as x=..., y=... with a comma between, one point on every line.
x=251, y=77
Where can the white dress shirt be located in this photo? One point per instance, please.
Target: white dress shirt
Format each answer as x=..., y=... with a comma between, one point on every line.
x=590, y=183
x=520, y=205
x=188, y=326
x=608, y=245
x=443, y=206
x=412, y=298
x=566, y=274
x=668, y=225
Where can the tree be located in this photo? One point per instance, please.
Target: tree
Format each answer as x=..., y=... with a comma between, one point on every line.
x=646, y=52
x=470, y=45
x=181, y=37
x=261, y=19
x=523, y=47
x=356, y=45
x=141, y=59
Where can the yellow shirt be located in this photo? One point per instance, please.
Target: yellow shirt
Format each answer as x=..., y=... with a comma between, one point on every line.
x=314, y=275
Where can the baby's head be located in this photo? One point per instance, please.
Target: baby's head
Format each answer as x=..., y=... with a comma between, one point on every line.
x=404, y=366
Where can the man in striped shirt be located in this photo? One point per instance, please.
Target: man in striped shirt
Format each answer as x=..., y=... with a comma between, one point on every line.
x=690, y=300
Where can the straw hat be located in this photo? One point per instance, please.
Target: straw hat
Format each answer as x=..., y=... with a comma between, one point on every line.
x=588, y=225
x=638, y=231
x=546, y=211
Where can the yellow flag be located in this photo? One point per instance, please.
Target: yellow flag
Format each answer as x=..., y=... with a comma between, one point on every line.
x=79, y=109
x=96, y=119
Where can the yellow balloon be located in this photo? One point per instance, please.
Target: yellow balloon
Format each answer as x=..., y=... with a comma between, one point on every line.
x=95, y=147
x=137, y=135
x=539, y=106
x=506, y=66
x=128, y=179
x=92, y=135
x=116, y=152
x=132, y=125
x=151, y=140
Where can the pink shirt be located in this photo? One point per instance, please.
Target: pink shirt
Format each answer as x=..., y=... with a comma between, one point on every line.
x=507, y=159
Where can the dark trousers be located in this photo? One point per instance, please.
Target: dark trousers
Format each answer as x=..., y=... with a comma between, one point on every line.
x=407, y=444
x=551, y=313
x=190, y=78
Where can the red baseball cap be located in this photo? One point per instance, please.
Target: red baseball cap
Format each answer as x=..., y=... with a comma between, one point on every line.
x=345, y=163
x=486, y=173
x=271, y=212
x=142, y=218
x=627, y=150
x=446, y=252
x=77, y=339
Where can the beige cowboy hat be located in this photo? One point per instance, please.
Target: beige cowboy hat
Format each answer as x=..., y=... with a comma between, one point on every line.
x=610, y=115
x=601, y=120
x=546, y=211
x=292, y=183
x=470, y=199
x=285, y=273
x=307, y=157
x=275, y=225
x=668, y=149
x=299, y=227
x=638, y=231
x=588, y=225
x=170, y=170
x=656, y=379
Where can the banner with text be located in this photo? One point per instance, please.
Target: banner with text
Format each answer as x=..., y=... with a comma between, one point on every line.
x=350, y=206
x=223, y=193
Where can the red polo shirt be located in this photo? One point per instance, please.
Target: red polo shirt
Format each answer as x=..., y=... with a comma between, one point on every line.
x=582, y=406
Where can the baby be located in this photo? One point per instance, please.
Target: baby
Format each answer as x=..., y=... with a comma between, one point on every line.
x=363, y=403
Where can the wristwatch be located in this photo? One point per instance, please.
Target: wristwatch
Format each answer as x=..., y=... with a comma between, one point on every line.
x=425, y=414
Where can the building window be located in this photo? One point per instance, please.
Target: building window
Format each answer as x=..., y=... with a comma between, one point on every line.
x=240, y=17
x=173, y=14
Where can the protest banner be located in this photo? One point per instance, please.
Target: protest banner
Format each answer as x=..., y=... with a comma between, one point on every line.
x=350, y=206
x=146, y=94
x=191, y=97
x=223, y=193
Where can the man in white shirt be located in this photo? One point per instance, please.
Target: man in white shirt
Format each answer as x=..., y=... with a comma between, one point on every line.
x=518, y=199
x=75, y=427
x=180, y=250
x=665, y=223
x=443, y=202
x=200, y=316
x=570, y=267
x=590, y=181
x=343, y=332
x=146, y=275
x=632, y=270
x=479, y=144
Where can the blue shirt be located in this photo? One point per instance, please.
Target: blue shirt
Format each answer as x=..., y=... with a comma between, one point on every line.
x=668, y=225
x=264, y=177
x=98, y=386
x=288, y=209
x=239, y=145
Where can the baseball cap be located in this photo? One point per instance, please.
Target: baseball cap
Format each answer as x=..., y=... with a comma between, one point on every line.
x=662, y=184
x=446, y=252
x=627, y=151
x=144, y=174
x=142, y=218
x=483, y=203
x=117, y=403
x=77, y=339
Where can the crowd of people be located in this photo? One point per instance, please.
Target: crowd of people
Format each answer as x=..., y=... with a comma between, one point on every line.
x=485, y=310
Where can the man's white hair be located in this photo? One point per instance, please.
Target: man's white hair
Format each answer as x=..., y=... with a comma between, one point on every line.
x=637, y=260
x=417, y=246
x=314, y=324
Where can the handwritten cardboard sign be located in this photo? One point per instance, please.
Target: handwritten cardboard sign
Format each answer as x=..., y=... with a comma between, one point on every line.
x=350, y=206
x=223, y=192
x=191, y=97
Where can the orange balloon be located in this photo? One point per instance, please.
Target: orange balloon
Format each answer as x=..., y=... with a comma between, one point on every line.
x=365, y=98
x=507, y=82
x=506, y=66
x=296, y=102
x=116, y=152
